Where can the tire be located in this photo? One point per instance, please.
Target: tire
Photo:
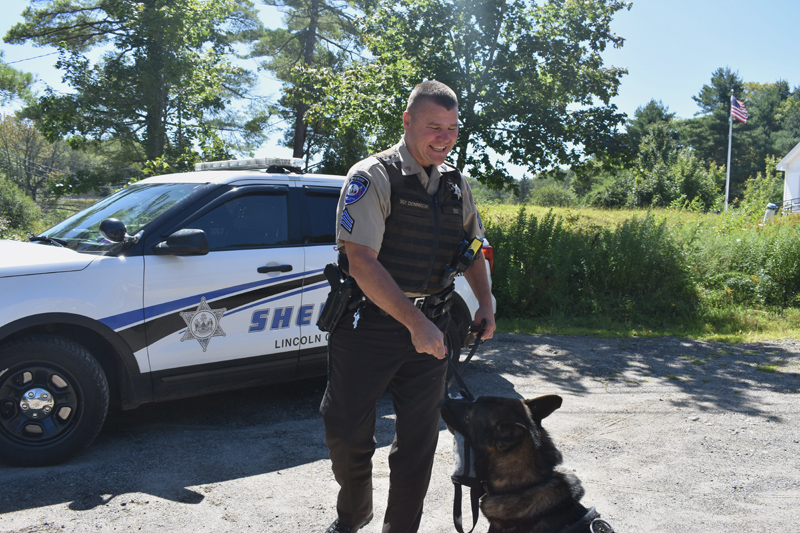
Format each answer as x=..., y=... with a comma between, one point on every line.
x=53, y=400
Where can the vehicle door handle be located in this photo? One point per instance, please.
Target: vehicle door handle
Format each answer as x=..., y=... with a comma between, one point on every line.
x=274, y=268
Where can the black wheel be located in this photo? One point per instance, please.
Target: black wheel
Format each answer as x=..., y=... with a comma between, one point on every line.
x=53, y=400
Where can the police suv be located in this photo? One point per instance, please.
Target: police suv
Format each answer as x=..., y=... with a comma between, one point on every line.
x=176, y=286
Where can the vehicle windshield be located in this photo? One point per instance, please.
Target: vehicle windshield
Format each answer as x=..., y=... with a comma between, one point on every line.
x=136, y=206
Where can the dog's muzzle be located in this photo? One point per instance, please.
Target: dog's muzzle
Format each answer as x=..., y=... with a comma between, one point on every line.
x=464, y=462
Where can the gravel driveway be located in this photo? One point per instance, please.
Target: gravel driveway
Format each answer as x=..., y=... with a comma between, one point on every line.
x=666, y=435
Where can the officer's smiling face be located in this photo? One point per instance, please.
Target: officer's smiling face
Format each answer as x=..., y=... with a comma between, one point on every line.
x=431, y=132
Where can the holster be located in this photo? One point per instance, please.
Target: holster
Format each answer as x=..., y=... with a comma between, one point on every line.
x=436, y=305
x=342, y=296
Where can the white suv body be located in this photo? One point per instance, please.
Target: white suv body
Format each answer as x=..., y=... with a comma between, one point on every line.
x=86, y=319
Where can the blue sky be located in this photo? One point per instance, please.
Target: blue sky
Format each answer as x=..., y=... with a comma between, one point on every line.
x=671, y=48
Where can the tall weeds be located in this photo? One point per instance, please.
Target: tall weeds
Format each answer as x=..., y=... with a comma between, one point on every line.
x=653, y=269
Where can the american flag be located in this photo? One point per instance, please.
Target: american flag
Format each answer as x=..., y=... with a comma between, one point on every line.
x=737, y=110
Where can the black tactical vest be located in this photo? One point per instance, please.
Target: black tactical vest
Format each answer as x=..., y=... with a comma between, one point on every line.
x=422, y=232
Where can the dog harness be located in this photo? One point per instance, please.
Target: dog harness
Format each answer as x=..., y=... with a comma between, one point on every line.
x=590, y=522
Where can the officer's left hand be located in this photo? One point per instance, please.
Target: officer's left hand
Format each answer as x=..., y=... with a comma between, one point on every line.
x=486, y=314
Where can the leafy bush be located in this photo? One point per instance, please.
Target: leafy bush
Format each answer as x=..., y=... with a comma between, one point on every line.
x=683, y=180
x=17, y=211
x=756, y=266
x=552, y=195
x=764, y=188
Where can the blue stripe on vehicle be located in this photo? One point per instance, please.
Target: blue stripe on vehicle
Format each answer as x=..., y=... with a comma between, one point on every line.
x=136, y=316
x=262, y=302
x=323, y=285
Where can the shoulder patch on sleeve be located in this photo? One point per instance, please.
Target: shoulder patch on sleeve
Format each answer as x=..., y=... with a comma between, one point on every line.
x=347, y=221
x=356, y=189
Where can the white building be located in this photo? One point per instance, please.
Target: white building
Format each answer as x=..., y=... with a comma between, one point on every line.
x=790, y=165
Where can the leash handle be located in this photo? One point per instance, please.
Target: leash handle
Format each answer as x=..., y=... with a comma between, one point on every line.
x=478, y=329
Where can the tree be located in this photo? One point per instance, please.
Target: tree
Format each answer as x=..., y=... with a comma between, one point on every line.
x=717, y=95
x=763, y=139
x=317, y=33
x=530, y=78
x=163, y=77
x=707, y=134
x=762, y=189
x=28, y=159
x=772, y=129
x=788, y=115
x=14, y=83
x=644, y=116
x=664, y=174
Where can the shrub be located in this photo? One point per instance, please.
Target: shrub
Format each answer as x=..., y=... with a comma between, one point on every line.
x=634, y=272
x=535, y=264
x=684, y=179
x=552, y=195
x=764, y=188
x=17, y=210
x=637, y=270
x=753, y=265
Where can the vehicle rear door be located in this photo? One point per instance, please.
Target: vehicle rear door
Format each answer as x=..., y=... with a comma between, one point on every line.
x=319, y=236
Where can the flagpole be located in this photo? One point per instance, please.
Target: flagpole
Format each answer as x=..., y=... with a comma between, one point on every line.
x=728, y=176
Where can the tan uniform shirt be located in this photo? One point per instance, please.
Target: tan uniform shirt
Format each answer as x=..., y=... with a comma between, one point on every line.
x=365, y=202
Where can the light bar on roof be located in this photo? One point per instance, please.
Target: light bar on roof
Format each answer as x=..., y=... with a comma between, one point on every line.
x=251, y=164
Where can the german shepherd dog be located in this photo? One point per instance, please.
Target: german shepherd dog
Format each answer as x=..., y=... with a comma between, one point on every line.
x=516, y=462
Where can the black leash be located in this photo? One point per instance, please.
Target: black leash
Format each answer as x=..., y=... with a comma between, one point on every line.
x=462, y=386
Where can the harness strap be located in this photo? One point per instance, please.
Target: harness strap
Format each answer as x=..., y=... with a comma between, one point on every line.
x=591, y=523
x=475, y=497
x=582, y=525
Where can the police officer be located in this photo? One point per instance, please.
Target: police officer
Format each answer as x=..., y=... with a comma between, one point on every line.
x=402, y=214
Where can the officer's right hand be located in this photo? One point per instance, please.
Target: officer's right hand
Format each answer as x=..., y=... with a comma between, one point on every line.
x=427, y=338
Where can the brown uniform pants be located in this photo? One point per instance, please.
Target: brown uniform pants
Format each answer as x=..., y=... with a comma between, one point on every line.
x=363, y=363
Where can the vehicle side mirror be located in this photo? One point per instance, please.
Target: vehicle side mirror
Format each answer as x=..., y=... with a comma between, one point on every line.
x=183, y=242
x=113, y=229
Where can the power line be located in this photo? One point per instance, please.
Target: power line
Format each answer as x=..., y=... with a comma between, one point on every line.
x=29, y=58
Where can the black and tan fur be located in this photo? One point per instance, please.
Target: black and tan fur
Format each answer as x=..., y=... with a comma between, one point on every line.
x=517, y=461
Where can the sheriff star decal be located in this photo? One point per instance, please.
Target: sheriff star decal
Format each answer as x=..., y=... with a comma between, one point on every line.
x=203, y=323
x=455, y=189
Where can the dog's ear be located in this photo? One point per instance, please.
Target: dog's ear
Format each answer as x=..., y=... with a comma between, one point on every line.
x=541, y=407
x=508, y=435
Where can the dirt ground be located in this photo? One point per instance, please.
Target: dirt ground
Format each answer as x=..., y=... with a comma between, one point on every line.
x=666, y=435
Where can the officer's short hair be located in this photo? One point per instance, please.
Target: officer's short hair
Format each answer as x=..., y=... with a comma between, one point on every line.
x=434, y=91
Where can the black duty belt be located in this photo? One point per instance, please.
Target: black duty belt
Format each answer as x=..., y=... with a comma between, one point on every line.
x=432, y=306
